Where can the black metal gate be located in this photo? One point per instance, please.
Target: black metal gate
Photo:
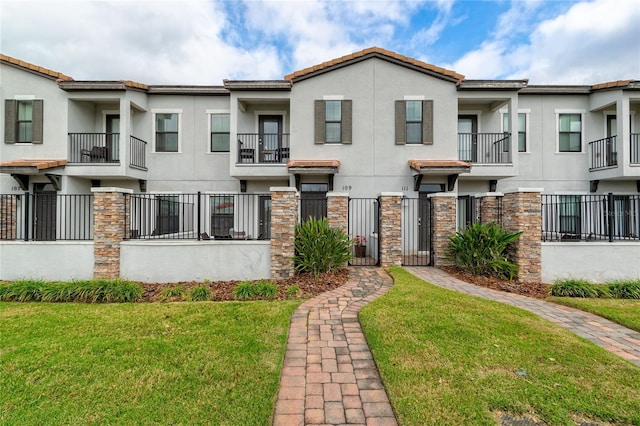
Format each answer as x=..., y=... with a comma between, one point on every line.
x=417, y=235
x=364, y=228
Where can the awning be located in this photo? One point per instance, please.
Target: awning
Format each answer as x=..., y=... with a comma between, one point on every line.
x=29, y=167
x=315, y=167
x=450, y=168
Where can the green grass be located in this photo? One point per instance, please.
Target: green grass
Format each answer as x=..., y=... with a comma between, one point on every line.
x=622, y=311
x=151, y=363
x=449, y=358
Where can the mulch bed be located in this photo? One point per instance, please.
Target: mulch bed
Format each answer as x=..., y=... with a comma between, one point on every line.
x=223, y=290
x=537, y=290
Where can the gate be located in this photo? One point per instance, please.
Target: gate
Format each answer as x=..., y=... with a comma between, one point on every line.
x=417, y=236
x=364, y=228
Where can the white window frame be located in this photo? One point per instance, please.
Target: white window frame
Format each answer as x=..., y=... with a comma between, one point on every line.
x=209, y=113
x=154, y=112
x=582, y=114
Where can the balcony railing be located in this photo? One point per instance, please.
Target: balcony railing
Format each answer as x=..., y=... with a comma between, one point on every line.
x=604, y=153
x=137, y=153
x=94, y=147
x=485, y=148
x=634, y=156
x=263, y=148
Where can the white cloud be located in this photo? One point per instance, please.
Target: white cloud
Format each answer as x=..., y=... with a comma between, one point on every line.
x=428, y=36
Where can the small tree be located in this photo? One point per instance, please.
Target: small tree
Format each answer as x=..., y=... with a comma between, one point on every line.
x=481, y=250
x=320, y=248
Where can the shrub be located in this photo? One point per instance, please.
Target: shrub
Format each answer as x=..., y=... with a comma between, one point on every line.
x=174, y=292
x=481, y=250
x=199, y=293
x=90, y=291
x=266, y=289
x=22, y=291
x=577, y=287
x=293, y=290
x=320, y=248
x=244, y=291
x=625, y=289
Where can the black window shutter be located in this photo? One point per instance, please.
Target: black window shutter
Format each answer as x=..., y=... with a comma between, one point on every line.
x=319, y=121
x=346, y=122
x=10, y=120
x=427, y=122
x=37, y=121
x=401, y=123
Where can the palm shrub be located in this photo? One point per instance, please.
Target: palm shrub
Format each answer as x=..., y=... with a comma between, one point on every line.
x=320, y=248
x=577, y=287
x=481, y=249
x=625, y=289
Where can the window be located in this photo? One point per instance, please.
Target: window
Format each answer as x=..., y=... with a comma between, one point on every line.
x=220, y=132
x=569, y=133
x=522, y=130
x=222, y=207
x=23, y=121
x=414, y=122
x=167, y=132
x=332, y=121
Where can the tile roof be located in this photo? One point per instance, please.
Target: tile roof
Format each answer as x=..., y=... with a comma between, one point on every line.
x=419, y=165
x=40, y=70
x=363, y=54
x=37, y=164
x=610, y=84
x=313, y=163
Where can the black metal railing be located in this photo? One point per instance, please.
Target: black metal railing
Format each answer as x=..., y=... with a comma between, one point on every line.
x=467, y=208
x=94, y=147
x=364, y=228
x=634, y=152
x=314, y=206
x=608, y=217
x=46, y=217
x=485, y=148
x=137, y=153
x=417, y=237
x=604, y=153
x=199, y=216
x=259, y=148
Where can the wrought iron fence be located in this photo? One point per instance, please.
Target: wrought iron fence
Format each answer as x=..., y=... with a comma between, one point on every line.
x=604, y=153
x=199, y=216
x=137, y=153
x=364, y=228
x=485, y=148
x=417, y=238
x=467, y=208
x=608, y=217
x=263, y=147
x=94, y=147
x=314, y=206
x=46, y=217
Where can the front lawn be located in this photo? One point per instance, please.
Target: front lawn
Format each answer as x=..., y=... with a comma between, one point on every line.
x=449, y=358
x=151, y=363
x=623, y=311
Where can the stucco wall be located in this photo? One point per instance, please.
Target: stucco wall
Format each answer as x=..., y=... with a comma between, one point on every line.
x=174, y=261
x=596, y=261
x=53, y=261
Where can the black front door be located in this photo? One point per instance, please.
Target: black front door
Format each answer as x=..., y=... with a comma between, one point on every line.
x=313, y=200
x=44, y=212
x=270, y=138
x=265, y=217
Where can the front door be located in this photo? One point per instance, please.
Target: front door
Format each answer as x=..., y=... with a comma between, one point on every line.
x=113, y=135
x=44, y=212
x=468, y=137
x=313, y=200
x=270, y=138
x=265, y=217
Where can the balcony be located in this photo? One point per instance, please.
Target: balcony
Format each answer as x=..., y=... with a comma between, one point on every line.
x=485, y=148
x=104, y=148
x=263, y=148
x=604, y=153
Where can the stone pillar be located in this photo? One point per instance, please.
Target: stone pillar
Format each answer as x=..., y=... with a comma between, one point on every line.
x=443, y=223
x=8, y=217
x=109, y=227
x=284, y=216
x=490, y=207
x=338, y=210
x=390, y=229
x=522, y=212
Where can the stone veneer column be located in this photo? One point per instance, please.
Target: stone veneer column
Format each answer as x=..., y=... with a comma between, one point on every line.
x=284, y=216
x=489, y=207
x=521, y=211
x=109, y=226
x=8, y=218
x=338, y=210
x=390, y=228
x=443, y=223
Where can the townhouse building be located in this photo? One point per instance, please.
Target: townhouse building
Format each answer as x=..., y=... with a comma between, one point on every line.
x=367, y=123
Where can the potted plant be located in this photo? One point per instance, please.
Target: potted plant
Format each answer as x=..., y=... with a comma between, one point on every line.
x=360, y=246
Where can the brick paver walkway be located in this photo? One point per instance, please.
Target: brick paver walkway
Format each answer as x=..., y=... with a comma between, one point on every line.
x=609, y=335
x=329, y=376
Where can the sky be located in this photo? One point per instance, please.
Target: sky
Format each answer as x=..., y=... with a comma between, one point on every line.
x=202, y=42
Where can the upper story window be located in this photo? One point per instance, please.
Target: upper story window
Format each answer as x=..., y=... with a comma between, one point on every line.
x=570, y=132
x=414, y=122
x=167, y=125
x=23, y=121
x=522, y=130
x=332, y=121
x=220, y=129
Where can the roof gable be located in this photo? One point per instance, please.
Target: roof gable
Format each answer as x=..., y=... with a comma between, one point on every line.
x=35, y=68
x=375, y=52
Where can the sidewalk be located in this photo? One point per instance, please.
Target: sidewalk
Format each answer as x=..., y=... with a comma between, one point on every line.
x=607, y=334
x=329, y=376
